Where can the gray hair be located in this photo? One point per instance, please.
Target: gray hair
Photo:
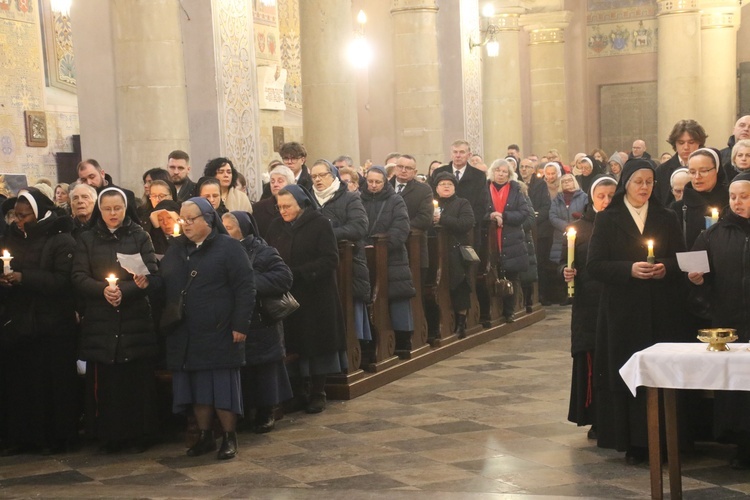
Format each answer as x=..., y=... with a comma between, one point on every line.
x=501, y=162
x=91, y=190
x=744, y=143
x=344, y=158
x=284, y=171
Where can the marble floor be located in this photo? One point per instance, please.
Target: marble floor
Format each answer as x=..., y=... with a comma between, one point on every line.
x=488, y=423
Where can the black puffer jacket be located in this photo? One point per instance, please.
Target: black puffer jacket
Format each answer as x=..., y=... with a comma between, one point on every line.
x=42, y=304
x=694, y=206
x=456, y=219
x=513, y=256
x=265, y=342
x=530, y=275
x=540, y=201
x=114, y=334
x=220, y=299
x=387, y=214
x=349, y=221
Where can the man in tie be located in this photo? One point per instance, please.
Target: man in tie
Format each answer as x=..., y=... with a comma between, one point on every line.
x=417, y=196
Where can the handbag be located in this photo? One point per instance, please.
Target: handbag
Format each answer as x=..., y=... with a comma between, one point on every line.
x=503, y=286
x=278, y=308
x=174, y=312
x=468, y=254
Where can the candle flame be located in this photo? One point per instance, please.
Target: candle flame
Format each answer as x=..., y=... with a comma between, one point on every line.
x=111, y=277
x=6, y=254
x=435, y=202
x=651, y=243
x=571, y=232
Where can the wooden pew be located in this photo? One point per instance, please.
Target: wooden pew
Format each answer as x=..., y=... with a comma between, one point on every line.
x=346, y=296
x=419, y=343
x=473, y=316
x=380, y=315
x=489, y=273
x=437, y=291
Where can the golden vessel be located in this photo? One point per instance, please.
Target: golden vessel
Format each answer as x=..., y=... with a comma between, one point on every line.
x=717, y=338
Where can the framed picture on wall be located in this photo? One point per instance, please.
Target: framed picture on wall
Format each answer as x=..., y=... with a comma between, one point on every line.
x=36, y=129
x=10, y=184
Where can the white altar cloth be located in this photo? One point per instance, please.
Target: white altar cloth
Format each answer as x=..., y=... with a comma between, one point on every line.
x=688, y=366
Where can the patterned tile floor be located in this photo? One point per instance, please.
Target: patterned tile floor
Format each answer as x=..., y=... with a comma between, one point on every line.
x=487, y=423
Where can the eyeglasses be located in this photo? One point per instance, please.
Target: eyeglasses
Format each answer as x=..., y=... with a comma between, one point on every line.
x=188, y=221
x=700, y=173
x=287, y=159
x=319, y=176
x=159, y=196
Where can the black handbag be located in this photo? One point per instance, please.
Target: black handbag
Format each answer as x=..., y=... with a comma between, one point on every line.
x=278, y=308
x=468, y=254
x=174, y=312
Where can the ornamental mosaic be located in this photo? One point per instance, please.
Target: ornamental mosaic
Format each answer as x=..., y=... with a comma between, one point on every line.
x=238, y=99
x=637, y=37
x=289, y=52
x=607, y=11
x=472, y=76
x=58, y=37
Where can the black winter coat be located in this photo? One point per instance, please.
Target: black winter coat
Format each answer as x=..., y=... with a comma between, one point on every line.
x=662, y=188
x=349, y=221
x=265, y=342
x=219, y=300
x=473, y=187
x=633, y=313
x=518, y=210
x=727, y=286
x=309, y=248
x=530, y=275
x=42, y=305
x=587, y=290
x=265, y=212
x=540, y=200
x=692, y=209
x=457, y=220
x=418, y=199
x=386, y=213
x=114, y=334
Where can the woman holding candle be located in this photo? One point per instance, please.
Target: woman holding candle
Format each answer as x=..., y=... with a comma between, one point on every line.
x=726, y=289
x=38, y=410
x=566, y=208
x=118, y=339
x=582, y=408
x=638, y=306
x=542, y=198
x=704, y=196
x=510, y=210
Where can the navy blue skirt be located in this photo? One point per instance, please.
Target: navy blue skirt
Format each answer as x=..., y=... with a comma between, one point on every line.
x=221, y=389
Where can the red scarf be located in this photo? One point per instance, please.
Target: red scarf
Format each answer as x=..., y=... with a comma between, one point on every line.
x=499, y=200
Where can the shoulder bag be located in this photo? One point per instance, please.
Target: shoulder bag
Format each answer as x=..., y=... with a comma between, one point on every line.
x=174, y=312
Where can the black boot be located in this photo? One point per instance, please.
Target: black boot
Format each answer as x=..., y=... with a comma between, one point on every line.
x=228, y=446
x=403, y=340
x=206, y=443
x=264, y=421
x=461, y=325
x=317, y=401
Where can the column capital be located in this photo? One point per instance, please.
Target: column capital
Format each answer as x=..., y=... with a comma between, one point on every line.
x=719, y=13
x=399, y=6
x=508, y=19
x=546, y=27
x=666, y=7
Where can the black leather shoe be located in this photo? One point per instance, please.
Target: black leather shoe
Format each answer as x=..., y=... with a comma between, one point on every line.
x=591, y=434
x=205, y=444
x=636, y=455
x=509, y=318
x=264, y=421
x=529, y=309
x=228, y=446
x=317, y=403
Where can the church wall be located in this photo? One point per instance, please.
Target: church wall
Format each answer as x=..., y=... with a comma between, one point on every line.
x=22, y=81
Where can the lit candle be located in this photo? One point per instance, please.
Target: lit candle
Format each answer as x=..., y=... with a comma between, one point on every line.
x=571, y=254
x=650, y=256
x=437, y=208
x=714, y=216
x=176, y=230
x=112, y=280
x=7, y=257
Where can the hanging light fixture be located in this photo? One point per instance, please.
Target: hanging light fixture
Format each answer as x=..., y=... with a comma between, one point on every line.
x=360, y=52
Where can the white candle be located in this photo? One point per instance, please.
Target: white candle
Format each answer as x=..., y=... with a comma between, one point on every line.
x=714, y=216
x=112, y=280
x=571, y=255
x=650, y=257
x=437, y=208
x=7, y=257
x=176, y=230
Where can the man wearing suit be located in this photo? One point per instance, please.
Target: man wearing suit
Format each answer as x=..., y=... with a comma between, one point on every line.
x=417, y=196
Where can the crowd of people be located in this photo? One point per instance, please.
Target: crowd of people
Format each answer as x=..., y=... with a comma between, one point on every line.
x=180, y=279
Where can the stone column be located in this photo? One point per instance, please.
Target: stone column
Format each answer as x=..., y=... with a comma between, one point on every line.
x=679, y=63
x=133, y=115
x=501, y=88
x=720, y=20
x=419, y=122
x=549, y=111
x=329, y=99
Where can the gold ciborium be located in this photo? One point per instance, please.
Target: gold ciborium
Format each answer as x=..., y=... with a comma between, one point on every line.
x=717, y=338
